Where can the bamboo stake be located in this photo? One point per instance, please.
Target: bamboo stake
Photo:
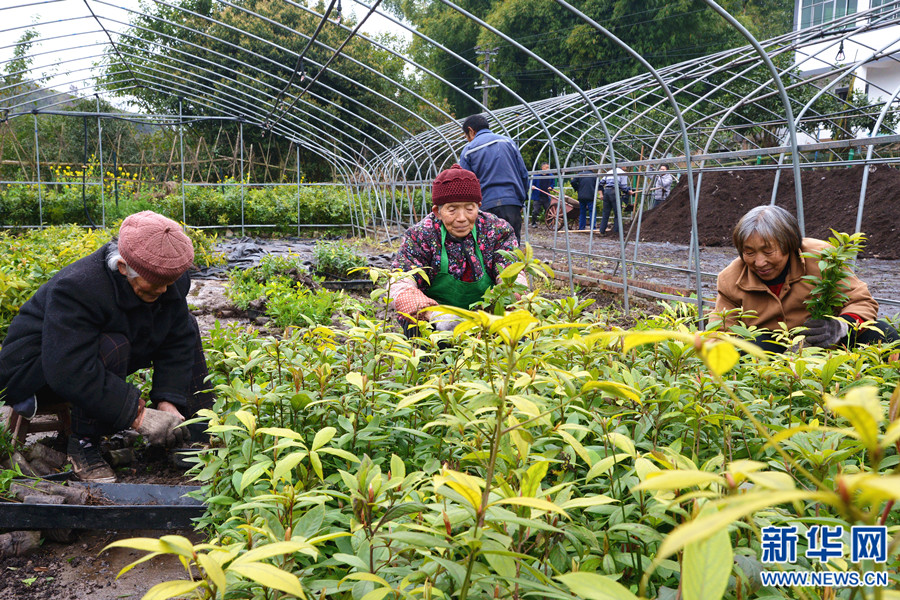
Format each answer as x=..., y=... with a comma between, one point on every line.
x=171, y=155
x=210, y=151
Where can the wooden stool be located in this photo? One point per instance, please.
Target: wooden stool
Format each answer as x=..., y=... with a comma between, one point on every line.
x=21, y=427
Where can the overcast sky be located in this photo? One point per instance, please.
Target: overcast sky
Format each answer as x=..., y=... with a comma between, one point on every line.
x=71, y=40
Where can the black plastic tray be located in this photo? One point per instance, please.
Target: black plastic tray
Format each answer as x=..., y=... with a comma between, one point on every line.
x=348, y=284
x=135, y=506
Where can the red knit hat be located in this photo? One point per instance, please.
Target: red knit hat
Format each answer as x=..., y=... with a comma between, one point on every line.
x=455, y=185
x=155, y=247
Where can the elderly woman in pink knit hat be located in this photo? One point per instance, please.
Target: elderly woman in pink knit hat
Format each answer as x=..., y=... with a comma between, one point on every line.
x=458, y=246
x=100, y=319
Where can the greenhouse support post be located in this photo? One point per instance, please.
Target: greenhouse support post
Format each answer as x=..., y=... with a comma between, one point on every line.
x=355, y=219
x=241, y=143
x=777, y=180
x=526, y=218
x=102, y=172
x=181, y=144
x=789, y=118
x=37, y=162
x=369, y=201
x=398, y=212
x=592, y=219
x=298, y=189
x=425, y=208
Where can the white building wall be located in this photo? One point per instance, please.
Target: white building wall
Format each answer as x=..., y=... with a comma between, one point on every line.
x=879, y=78
x=883, y=79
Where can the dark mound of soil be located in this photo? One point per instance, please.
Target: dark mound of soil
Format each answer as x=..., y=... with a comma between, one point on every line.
x=830, y=201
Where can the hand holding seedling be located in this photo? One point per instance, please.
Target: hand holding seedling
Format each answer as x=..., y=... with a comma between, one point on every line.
x=825, y=333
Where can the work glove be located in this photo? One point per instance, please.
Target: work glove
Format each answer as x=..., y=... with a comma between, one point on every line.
x=825, y=333
x=445, y=322
x=160, y=428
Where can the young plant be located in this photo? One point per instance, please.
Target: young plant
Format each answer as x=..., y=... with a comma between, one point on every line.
x=278, y=287
x=337, y=259
x=829, y=289
x=508, y=290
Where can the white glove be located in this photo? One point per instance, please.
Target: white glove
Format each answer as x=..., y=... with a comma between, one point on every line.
x=160, y=428
x=445, y=322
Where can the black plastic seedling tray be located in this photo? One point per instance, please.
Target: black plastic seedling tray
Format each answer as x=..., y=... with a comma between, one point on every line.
x=133, y=506
x=348, y=284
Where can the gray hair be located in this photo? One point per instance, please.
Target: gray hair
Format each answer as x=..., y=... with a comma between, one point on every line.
x=113, y=258
x=772, y=224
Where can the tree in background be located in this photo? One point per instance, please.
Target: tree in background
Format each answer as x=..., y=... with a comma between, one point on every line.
x=662, y=31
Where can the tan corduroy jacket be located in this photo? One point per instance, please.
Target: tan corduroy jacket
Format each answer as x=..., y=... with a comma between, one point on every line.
x=739, y=287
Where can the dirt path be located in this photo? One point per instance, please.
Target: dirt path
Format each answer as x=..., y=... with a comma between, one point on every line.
x=78, y=571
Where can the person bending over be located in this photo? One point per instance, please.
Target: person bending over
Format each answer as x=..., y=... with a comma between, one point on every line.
x=458, y=245
x=766, y=283
x=99, y=319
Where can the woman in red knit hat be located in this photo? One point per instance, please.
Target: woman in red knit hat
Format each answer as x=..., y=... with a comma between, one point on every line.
x=98, y=320
x=457, y=245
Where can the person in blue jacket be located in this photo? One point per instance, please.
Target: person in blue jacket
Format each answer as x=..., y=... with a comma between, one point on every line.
x=496, y=161
x=541, y=191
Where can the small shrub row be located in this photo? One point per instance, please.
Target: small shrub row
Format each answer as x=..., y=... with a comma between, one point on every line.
x=337, y=259
x=203, y=206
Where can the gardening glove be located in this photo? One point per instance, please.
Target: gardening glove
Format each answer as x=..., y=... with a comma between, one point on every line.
x=445, y=322
x=825, y=333
x=160, y=428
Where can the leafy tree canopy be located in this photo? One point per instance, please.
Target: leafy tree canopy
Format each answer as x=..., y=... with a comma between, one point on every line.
x=662, y=31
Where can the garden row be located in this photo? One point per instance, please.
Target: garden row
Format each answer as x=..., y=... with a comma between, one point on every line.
x=279, y=288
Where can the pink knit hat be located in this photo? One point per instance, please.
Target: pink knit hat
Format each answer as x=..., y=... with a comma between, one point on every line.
x=155, y=247
x=455, y=185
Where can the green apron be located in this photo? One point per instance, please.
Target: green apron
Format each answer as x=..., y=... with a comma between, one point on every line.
x=447, y=289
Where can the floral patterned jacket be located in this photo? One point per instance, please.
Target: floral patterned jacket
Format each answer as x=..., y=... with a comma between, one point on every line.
x=421, y=248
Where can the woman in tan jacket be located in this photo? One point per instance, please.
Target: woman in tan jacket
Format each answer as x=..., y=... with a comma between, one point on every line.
x=765, y=288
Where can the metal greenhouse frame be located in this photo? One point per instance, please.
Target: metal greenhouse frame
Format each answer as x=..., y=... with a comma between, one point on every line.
x=691, y=115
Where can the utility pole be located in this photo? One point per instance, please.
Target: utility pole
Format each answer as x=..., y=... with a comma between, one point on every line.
x=487, y=53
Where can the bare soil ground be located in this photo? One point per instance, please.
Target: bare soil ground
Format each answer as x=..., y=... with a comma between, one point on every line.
x=78, y=571
x=830, y=200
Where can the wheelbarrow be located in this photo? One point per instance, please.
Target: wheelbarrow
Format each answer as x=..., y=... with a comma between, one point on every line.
x=572, y=209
